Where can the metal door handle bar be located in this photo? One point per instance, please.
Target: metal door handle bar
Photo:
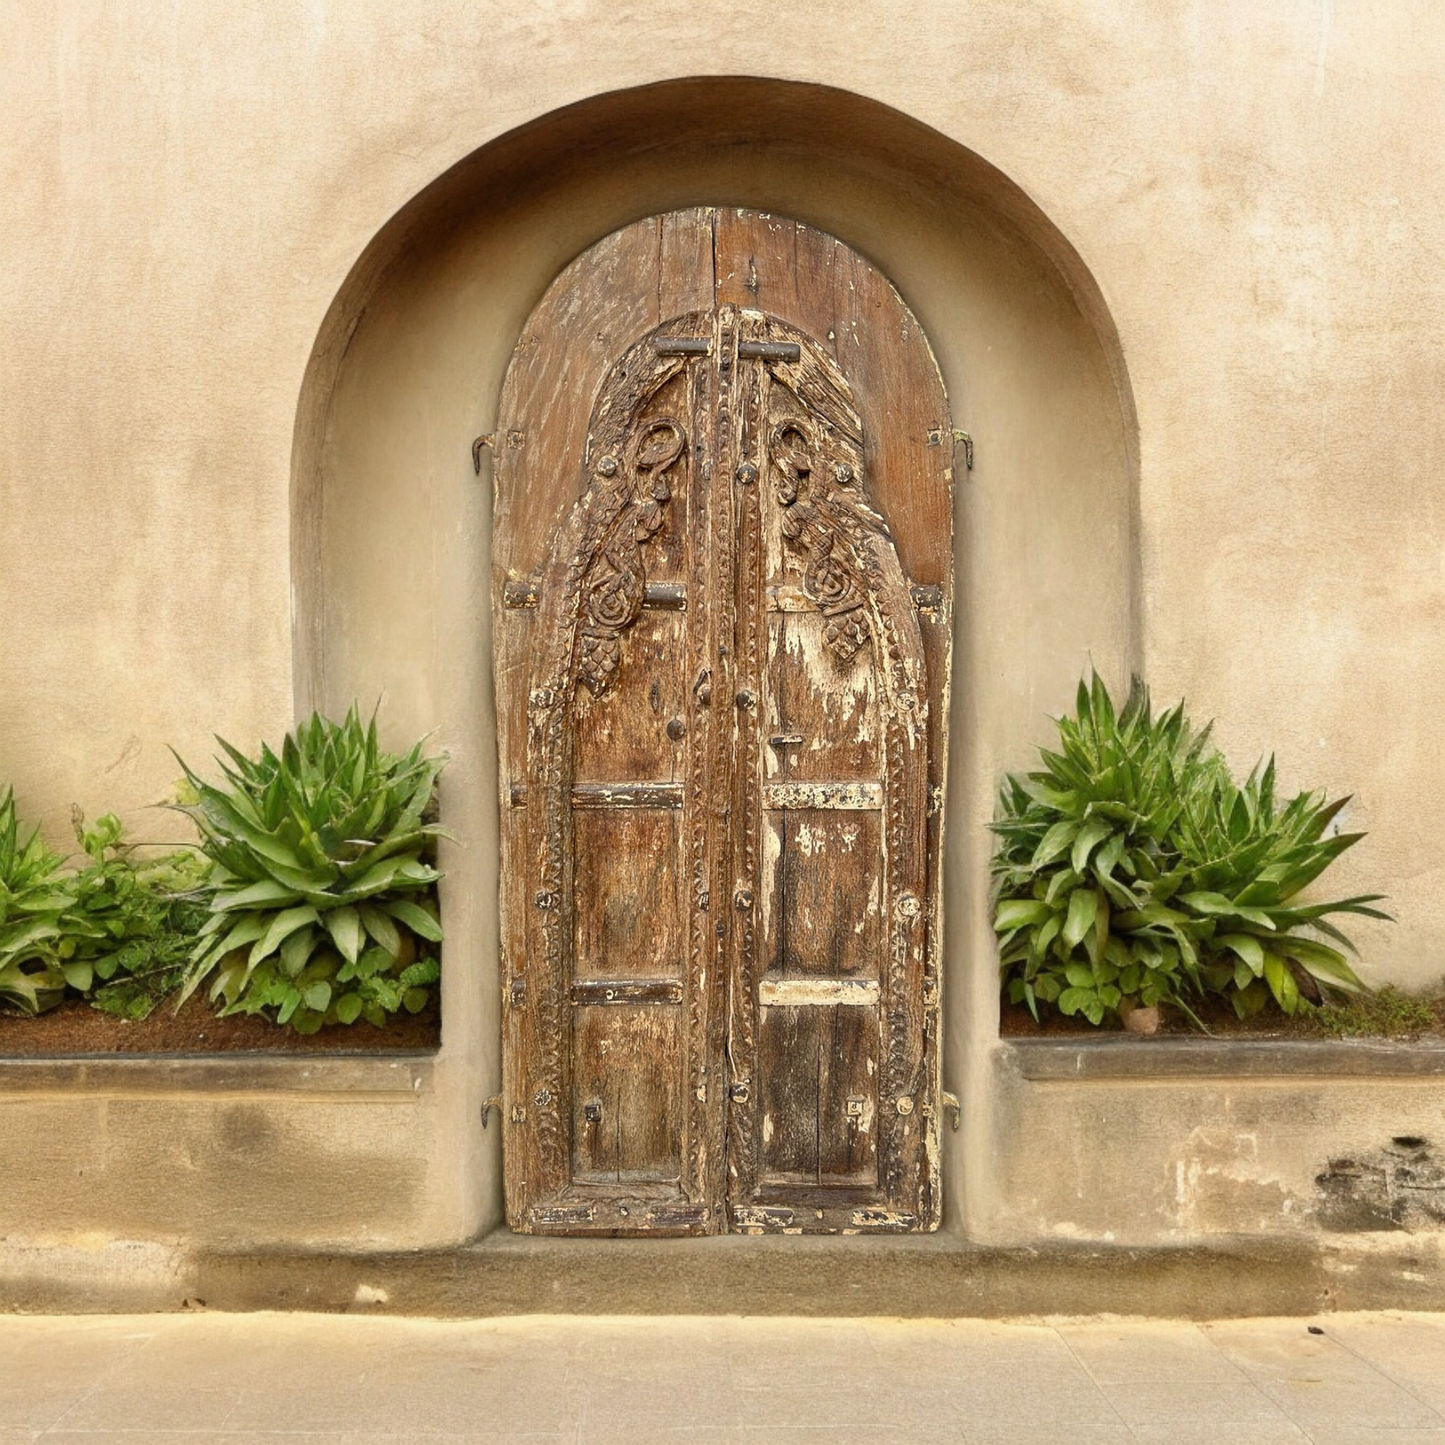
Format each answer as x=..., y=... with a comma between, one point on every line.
x=615, y=991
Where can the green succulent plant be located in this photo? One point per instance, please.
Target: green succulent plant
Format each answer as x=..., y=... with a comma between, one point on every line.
x=1132, y=870
x=134, y=919
x=321, y=890
x=34, y=897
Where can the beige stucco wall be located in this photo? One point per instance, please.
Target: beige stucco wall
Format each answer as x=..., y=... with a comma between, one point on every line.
x=1193, y=298
x=1258, y=191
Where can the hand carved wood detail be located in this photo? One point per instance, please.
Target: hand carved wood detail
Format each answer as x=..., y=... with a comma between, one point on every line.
x=720, y=863
x=614, y=580
x=810, y=527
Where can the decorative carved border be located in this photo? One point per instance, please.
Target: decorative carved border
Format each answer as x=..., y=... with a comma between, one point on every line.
x=600, y=596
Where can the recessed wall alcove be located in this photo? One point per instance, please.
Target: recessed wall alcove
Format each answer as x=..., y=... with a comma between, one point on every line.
x=391, y=526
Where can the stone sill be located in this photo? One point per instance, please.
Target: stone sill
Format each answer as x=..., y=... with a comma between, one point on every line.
x=1055, y=1060
x=913, y=1276
x=390, y=1077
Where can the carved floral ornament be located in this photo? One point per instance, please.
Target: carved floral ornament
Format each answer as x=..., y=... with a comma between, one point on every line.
x=822, y=506
x=811, y=528
x=614, y=582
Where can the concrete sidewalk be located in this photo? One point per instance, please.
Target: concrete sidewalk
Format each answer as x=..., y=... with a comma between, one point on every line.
x=244, y=1379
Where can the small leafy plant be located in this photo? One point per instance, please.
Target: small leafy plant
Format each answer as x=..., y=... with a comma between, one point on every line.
x=1132, y=870
x=322, y=900
x=1388, y=1013
x=128, y=935
x=34, y=898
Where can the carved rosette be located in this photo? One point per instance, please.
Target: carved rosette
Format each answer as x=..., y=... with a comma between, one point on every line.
x=614, y=581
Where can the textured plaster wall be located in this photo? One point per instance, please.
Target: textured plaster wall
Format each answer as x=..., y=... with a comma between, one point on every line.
x=1259, y=191
x=222, y=1150
x=272, y=1167
x=1248, y=199
x=1167, y=1161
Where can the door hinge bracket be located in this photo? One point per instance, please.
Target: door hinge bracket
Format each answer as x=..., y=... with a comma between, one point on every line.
x=951, y=1104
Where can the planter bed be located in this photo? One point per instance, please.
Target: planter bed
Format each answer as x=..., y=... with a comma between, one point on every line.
x=1372, y=1018
x=77, y=1028
x=1169, y=1056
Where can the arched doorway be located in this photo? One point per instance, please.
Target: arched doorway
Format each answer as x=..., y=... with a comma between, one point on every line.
x=392, y=543
x=723, y=564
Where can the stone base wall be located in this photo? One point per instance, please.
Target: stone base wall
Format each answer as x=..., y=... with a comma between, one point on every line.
x=1148, y=1144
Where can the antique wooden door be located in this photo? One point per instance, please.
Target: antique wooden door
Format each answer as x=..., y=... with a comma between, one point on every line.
x=720, y=739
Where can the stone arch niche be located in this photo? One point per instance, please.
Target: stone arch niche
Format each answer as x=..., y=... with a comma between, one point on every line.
x=392, y=525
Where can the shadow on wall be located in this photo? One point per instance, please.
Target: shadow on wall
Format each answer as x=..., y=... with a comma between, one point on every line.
x=391, y=527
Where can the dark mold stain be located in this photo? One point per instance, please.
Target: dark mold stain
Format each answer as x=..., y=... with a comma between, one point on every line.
x=1399, y=1186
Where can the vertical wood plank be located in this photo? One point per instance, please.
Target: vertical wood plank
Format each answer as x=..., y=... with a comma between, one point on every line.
x=623, y=735
x=848, y=1099
x=626, y=1104
x=629, y=909
x=822, y=711
x=684, y=263
x=792, y=1045
x=824, y=912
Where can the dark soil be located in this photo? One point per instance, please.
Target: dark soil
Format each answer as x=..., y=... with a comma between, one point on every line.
x=1015, y=1021
x=77, y=1028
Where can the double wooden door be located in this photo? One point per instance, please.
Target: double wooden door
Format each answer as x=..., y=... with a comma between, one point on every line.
x=719, y=885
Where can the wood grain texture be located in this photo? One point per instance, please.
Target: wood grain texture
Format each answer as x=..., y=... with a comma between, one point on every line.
x=720, y=709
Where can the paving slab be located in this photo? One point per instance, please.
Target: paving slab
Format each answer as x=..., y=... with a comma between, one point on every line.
x=295, y=1379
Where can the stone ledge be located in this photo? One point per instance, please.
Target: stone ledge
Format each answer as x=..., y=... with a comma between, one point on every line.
x=363, y=1077
x=1112, y=1058
x=928, y=1276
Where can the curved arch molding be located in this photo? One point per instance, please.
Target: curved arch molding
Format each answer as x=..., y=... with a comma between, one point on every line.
x=391, y=537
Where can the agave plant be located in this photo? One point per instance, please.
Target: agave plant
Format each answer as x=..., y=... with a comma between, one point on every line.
x=321, y=892
x=1248, y=860
x=1132, y=870
x=33, y=899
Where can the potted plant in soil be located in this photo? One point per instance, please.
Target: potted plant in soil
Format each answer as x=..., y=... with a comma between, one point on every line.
x=1132, y=871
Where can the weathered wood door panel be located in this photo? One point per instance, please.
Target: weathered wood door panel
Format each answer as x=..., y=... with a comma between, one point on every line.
x=718, y=701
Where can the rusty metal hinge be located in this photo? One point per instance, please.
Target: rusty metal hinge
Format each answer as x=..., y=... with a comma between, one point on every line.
x=950, y=1102
x=489, y=439
x=494, y=1102
x=963, y=436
